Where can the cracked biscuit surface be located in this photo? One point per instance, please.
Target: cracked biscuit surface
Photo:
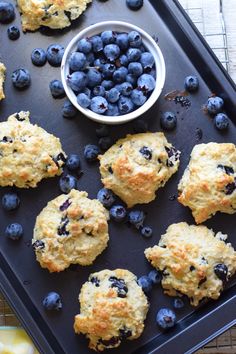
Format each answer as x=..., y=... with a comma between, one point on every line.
x=208, y=184
x=135, y=167
x=71, y=229
x=2, y=79
x=27, y=152
x=113, y=307
x=194, y=261
x=56, y=14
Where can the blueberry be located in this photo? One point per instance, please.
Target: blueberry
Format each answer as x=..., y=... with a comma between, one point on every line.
x=168, y=120
x=155, y=276
x=91, y=152
x=57, y=89
x=10, y=201
x=105, y=143
x=135, y=68
x=73, y=162
x=147, y=61
x=83, y=100
x=106, y=197
x=118, y=213
x=214, y=105
x=119, y=75
x=14, y=231
x=221, y=271
x=135, y=39
x=54, y=54
x=67, y=183
x=99, y=104
x=111, y=51
x=136, y=218
x=133, y=54
x=7, y=12
x=122, y=41
x=125, y=105
x=221, y=121
x=102, y=131
x=99, y=63
x=145, y=283
x=126, y=88
x=108, y=70
x=21, y=78
x=112, y=95
x=97, y=44
x=123, y=60
x=112, y=110
x=87, y=92
x=68, y=110
x=77, y=61
x=146, y=82
x=107, y=84
x=38, y=57
x=13, y=33
x=131, y=79
x=191, y=83
x=52, y=301
x=138, y=97
x=94, y=77
x=84, y=45
x=99, y=91
x=140, y=126
x=146, y=152
x=146, y=231
x=178, y=303
x=77, y=81
x=108, y=37
x=90, y=58
x=165, y=318
x=118, y=87
x=134, y=4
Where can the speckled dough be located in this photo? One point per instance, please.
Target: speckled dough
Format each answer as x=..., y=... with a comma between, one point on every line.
x=71, y=229
x=209, y=181
x=55, y=14
x=113, y=307
x=137, y=166
x=27, y=153
x=187, y=255
x=2, y=79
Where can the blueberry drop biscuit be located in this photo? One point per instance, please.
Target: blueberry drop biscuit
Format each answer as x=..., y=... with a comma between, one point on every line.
x=209, y=181
x=71, y=229
x=2, y=79
x=194, y=261
x=135, y=167
x=55, y=14
x=113, y=308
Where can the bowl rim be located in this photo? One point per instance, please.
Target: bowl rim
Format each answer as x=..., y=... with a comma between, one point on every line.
x=139, y=111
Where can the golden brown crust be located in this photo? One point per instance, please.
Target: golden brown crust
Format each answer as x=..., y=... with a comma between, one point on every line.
x=2, y=79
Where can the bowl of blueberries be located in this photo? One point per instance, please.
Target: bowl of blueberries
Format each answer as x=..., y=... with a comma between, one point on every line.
x=113, y=72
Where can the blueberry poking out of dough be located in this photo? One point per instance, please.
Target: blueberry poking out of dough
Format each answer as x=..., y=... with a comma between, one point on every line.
x=146, y=152
x=221, y=271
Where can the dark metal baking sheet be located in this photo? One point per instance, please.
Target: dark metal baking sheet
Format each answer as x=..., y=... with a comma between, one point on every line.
x=22, y=280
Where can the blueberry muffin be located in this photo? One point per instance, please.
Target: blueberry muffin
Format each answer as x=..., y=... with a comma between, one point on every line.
x=209, y=181
x=55, y=14
x=113, y=307
x=194, y=261
x=28, y=153
x=71, y=229
x=135, y=167
x=2, y=79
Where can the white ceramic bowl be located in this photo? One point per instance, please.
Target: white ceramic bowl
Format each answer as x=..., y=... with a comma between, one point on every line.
x=149, y=43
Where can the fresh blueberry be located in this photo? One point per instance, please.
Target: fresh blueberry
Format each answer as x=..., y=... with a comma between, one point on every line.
x=94, y=77
x=99, y=91
x=136, y=218
x=138, y=97
x=83, y=100
x=14, y=231
x=111, y=51
x=140, y=126
x=67, y=183
x=107, y=84
x=99, y=104
x=68, y=110
x=99, y=63
x=145, y=283
x=108, y=37
x=126, y=88
x=57, y=89
x=133, y=54
x=146, y=231
x=10, y=201
x=221, y=271
x=90, y=58
x=155, y=276
x=178, y=303
x=84, y=45
x=131, y=79
x=112, y=95
x=165, y=318
x=73, y=162
x=134, y=4
x=21, y=78
x=102, y=131
x=105, y=143
x=91, y=152
x=7, y=12
x=221, y=121
x=123, y=60
x=214, y=105
x=122, y=41
x=38, y=57
x=77, y=61
x=118, y=87
x=106, y=197
x=97, y=44
x=108, y=70
x=112, y=110
x=191, y=83
x=135, y=39
x=119, y=74
x=54, y=54
x=146, y=82
x=147, y=61
x=168, y=120
x=77, y=81
x=118, y=213
x=87, y=92
x=52, y=301
x=125, y=105
x=135, y=68
x=13, y=33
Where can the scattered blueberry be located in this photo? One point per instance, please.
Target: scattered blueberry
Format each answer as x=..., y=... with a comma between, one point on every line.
x=125, y=105
x=145, y=283
x=105, y=143
x=111, y=51
x=67, y=183
x=112, y=95
x=52, y=301
x=168, y=120
x=108, y=37
x=10, y=201
x=54, y=54
x=214, y=105
x=106, y=197
x=155, y=276
x=147, y=61
x=77, y=81
x=99, y=104
x=102, y=130
x=134, y=4
x=138, y=97
x=118, y=213
x=14, y=231
x=165, y=318
x=146, y=82
x=91, y=152
x=68, y=110
x=84, y=45
x=77, y=61
x=57, y=89
x=73, y=162
x=83, y=100
x=140, y=126
x=178, y=303
x=221, y=121
x=21, y=78
x=146, y=231
x=122, y=41
x=7, y=12
x=99, y=91
x=13, y=33
x=135, y=69
x=38, y=57
x=191, y=83
x=136, y=218
x=135, y=39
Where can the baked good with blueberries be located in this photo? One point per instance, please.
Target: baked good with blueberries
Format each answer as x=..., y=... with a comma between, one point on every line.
x=2, y=79
x=113, y=308
x=28, y=152
x=55, y=14
x=71, y=229
x=135, y=167
x=208, y=184
x=194, y=261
